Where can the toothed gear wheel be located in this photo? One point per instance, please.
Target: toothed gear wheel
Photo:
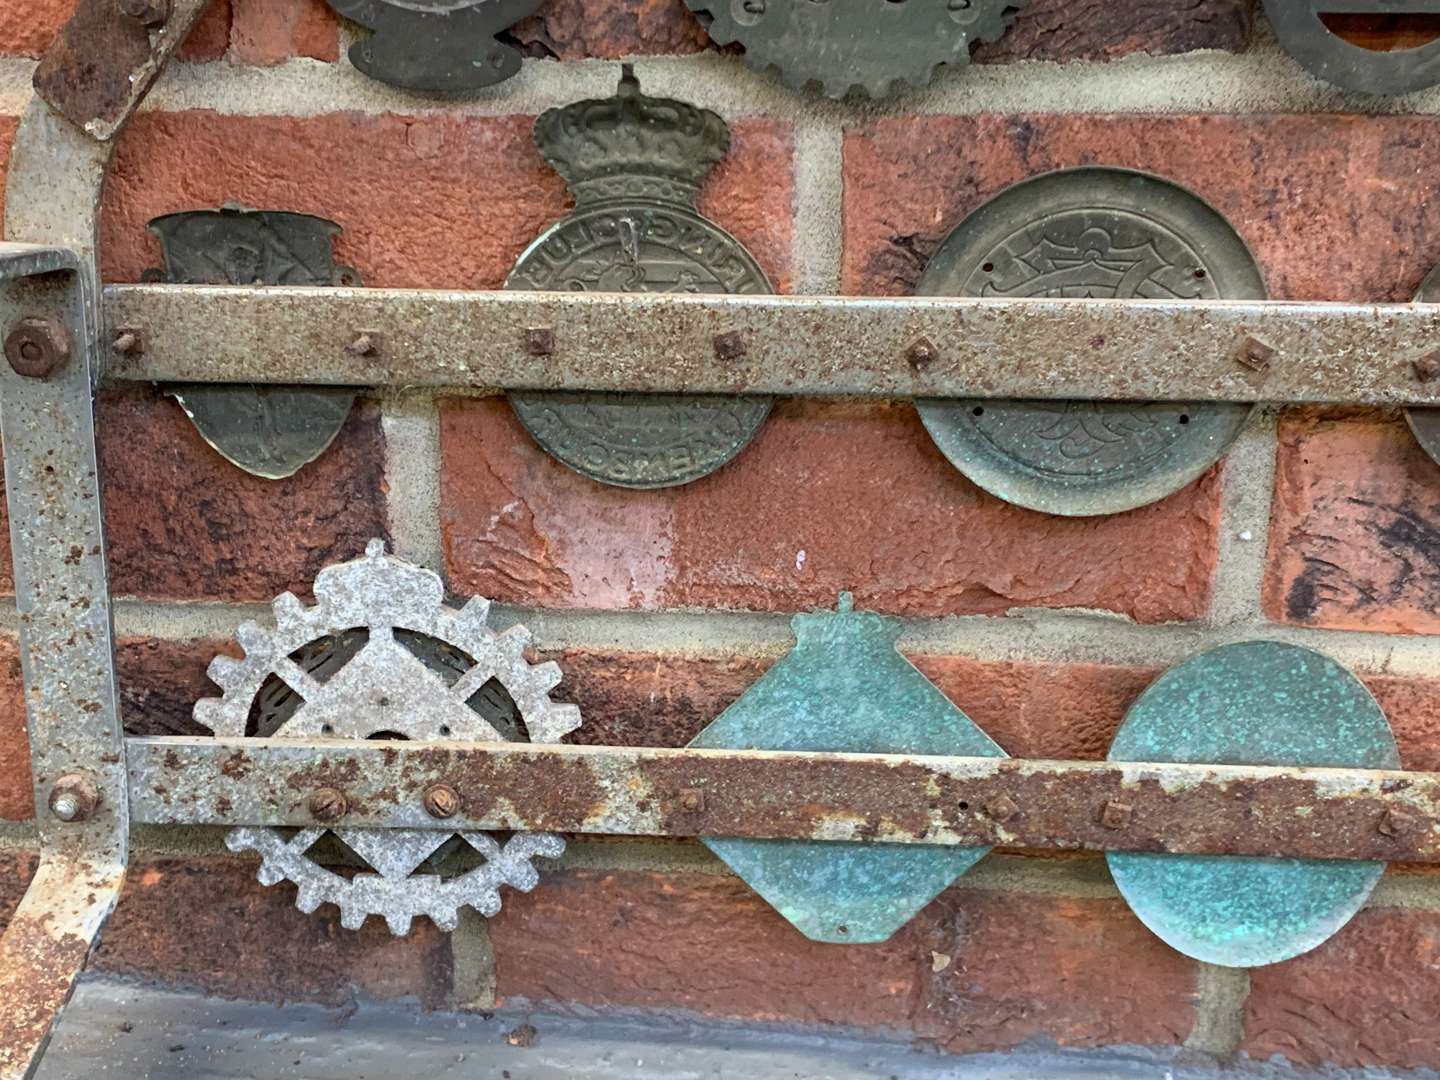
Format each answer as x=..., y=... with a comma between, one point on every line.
x=865, y=45
x=380, y=655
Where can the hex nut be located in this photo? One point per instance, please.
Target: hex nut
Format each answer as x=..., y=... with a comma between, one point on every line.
x=328, y=804
x=37, y=346
x=74, y=798
x=442, y=801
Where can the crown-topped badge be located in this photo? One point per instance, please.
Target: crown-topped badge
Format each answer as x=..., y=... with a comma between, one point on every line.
x=631, y=145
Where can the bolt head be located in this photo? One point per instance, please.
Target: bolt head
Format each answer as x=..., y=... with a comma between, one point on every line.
x=328, y=804
x=922, y=353
x=729, y=346
x=37, y=347
x=1255, y=355
x=74, y=798
x=1002, y=809
x=1427, y=367
x=692, y=800
x=442, y=801
x=539, y=341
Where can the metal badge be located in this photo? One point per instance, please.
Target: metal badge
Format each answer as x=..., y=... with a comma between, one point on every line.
x=441, y=46
x=1301, y=29
x=270, y=431
x=1254, y=703
x=635, y=165
x=860, y=45
x=1100, y=233
x=1425, y=423
x=381, y=656
x=845, y=688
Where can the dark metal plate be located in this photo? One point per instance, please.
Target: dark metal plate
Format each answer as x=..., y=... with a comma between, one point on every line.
x=1425, y=423
x=441, y=46
x=269, y=431
x=1253, y=703
x=1302, y=31
x=635, y=164
x=1090, y=232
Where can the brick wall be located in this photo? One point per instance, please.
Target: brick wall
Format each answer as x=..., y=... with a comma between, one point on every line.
x=1322, y=527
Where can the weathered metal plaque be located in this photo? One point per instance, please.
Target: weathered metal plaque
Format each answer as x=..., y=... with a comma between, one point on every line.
x=1425, y=423
x=1301, y=26
x=1102, y=233
x=863, y=45
x=635, y=165
x=381, y=656
x=845, y=688
x=1253, y=703
x=270, y=431
x=441, y=46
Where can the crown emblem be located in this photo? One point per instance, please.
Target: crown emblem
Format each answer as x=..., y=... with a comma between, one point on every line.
x=631, y=145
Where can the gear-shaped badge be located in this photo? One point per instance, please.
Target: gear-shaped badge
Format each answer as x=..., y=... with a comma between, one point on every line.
x=855, y=44
x=381, y=656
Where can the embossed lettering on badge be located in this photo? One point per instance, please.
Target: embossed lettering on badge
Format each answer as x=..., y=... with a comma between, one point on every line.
x=635, y=165
x=1102, y=234
x=1374, y=46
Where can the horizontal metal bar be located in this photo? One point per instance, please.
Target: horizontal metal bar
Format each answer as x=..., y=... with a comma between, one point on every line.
x=1191, y=809
x=888, y=347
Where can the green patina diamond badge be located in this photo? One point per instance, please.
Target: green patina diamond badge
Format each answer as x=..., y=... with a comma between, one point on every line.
x=845, y=688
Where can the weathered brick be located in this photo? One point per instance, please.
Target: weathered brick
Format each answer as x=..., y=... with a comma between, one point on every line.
x=1080, y=972
x=17, y=800
x=1355, y=525
x=28, y=26
x=1334, y=207
x=160, y=681
x=183, y=523
x=1366, y=998
x=421, y=216
x=208, y=924
x=266, y=32
x=609, y=29
x=16, y=870
x=829, y=496
x=1100, y=30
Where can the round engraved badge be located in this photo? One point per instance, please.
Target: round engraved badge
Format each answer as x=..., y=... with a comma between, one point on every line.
x=1098, y=233
x=635, y=164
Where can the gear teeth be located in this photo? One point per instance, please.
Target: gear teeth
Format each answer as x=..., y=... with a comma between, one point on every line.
x=226, y=672
x=515, y=640
x=399, y=924
x=547, y=676
x=308, y=900
x=447, y=919
x=252, y=639
x=352, y=918
x=549, y=845
x=524, y=877
x=487, y=904
x=209, y=713
x=238, y=840
x=288, y=610
x=565, y=719
x=375, y=548
x=268, y=875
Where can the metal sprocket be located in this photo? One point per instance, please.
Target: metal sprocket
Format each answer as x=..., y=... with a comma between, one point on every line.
x=865, y=45
x=380, y=655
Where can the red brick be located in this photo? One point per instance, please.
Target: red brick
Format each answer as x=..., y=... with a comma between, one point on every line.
x=267, y=32
x=1413, y=708
x=17, y=800
x=183, y=523
x=1355, y=525
x=609, y=29
x=1101, y=30
x=1081, y=972
x=16, y=870
x=208, y=924
x=1366, y=998
x=160, y=681
x=406, y=189
x=829, y=496
x=1334, y=207
x=28, y=26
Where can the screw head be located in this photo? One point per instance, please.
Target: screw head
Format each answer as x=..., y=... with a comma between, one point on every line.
x=1255, y=355
x=442, y=801
x=1116, y=815
x=922, y=353
x=37, y=346
x=74, y=798
x=328, y=804
x=146, y=12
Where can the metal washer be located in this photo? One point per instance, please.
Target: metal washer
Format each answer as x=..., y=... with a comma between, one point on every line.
x=1088, y=232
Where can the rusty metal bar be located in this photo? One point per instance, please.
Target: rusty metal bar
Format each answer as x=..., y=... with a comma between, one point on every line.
x=1155, y=350
x=1097, y=806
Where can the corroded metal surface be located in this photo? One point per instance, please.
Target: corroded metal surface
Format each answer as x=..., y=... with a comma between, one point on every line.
x=1102, y=234
x=442, y=46
x=845, y=687
x=269, y=431
x=859, y=45
x=1302, y=31
x=1050, y=349
x=372, y=682
x=99, y=68
x=1425, y=423
x=1252, y=703
x=1186, y=809
x=635, y=165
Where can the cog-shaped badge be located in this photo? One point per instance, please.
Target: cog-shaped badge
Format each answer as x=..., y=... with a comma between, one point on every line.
x=379, y=656
x=859, y=45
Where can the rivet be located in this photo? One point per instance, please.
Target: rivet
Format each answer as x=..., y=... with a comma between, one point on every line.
x=37, y=347
x=1395, y=822
x=540, y=341
x=367, y=343
x=729, y=346
x=1116, y=815
x=442, y=801
x=922, y=353
x=74, y=798
x=1255, y=354
x=1002, y=809
x=692, y=800
x=328, y=804
x=128, y=341
x=1427, y=367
